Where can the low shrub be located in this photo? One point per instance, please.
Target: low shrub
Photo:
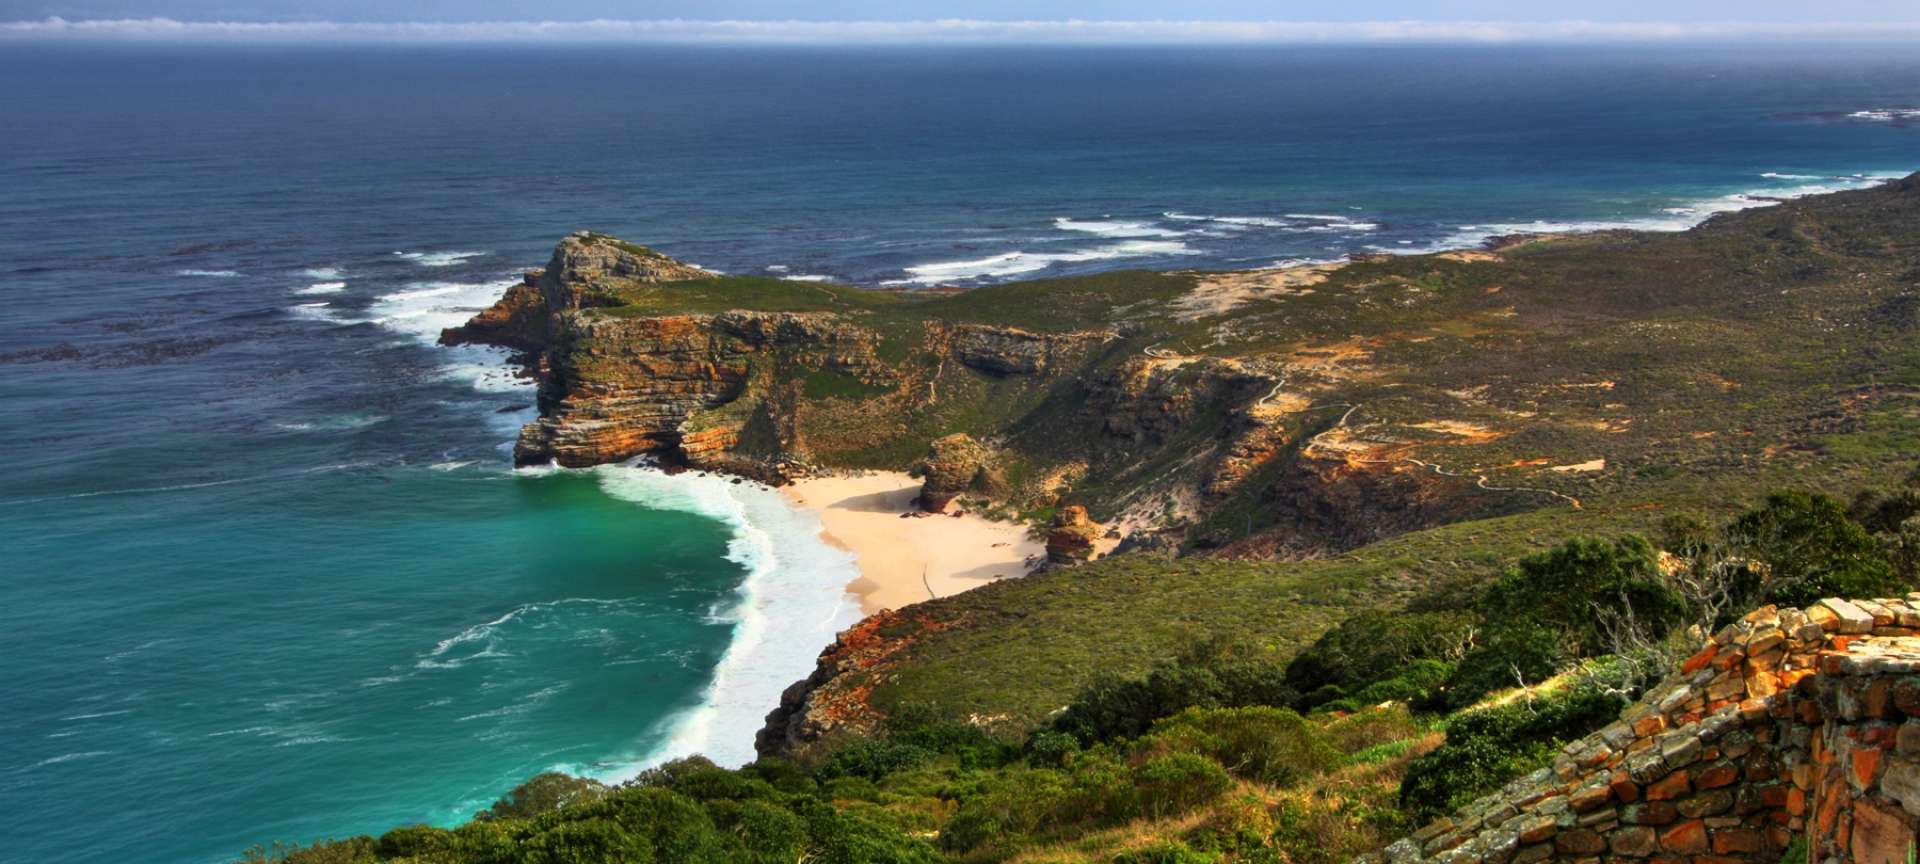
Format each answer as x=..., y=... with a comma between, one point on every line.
x=1490, y=746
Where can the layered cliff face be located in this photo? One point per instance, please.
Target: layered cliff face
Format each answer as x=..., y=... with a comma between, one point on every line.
x=586, y=270
x=1013, y=351
x=704, y=390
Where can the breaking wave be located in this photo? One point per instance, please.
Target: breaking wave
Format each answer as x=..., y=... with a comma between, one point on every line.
x=438, y=259
x=426, y=308
x=1115, y=228
x=791, y=602
x=1015, y=263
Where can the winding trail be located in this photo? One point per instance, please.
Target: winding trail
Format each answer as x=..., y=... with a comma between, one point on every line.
x=1479, y=480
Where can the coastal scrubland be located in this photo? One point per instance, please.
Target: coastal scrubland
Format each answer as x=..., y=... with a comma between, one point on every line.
x=1395, y=530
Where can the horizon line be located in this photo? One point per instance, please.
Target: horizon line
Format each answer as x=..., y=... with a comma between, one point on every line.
x=947, y=31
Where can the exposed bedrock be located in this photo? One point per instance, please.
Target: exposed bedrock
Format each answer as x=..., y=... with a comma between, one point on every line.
x=583, y=271
x=956, y=465
x=696, y=388
x=1071, y=537
x=1013, y=351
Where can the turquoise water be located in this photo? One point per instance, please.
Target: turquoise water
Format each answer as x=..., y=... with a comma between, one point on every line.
x=264, y=570
x=395, y=644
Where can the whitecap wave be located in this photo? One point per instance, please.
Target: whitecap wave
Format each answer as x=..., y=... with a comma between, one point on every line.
x=323, y=288
x=426, y=308
x=69, y=757
x=1679, y=217
x=1114, y=228
x=99, y=714
x=792, y=601
x=1016, y=263
x=1885, y=115
x=216, y=274
x=807, y=277
x=324, y=312
x=1236, y=221
x=322, y=272
x=438, y=259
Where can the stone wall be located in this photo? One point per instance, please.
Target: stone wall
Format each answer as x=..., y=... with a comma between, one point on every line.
x=1789, y=722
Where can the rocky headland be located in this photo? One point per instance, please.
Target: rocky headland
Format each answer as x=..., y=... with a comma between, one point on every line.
x=1312, y=417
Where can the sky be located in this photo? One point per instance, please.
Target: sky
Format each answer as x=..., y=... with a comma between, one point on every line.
x=1002, y=10
x=1123, y=21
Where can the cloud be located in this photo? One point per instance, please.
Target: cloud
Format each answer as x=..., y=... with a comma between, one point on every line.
x=942, y=31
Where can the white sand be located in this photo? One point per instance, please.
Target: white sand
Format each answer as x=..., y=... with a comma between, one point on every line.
x=908, y=560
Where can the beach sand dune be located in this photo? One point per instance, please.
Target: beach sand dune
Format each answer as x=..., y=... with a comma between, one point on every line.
x=908, y=560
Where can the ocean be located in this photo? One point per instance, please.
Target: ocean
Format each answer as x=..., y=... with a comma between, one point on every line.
x=267, y=573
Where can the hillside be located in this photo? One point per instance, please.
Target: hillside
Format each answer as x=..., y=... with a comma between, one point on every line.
x=1509, y=397
x=1339, y=466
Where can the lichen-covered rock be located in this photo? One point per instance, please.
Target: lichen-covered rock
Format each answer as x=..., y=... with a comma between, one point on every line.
x=1071, y=537
x=956, y=465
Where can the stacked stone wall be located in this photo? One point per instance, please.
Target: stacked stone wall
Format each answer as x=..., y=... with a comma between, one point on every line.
x=1789, y=722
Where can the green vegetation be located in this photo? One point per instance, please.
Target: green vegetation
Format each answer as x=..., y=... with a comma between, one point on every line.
x=1501, y=492
x=1206, y=755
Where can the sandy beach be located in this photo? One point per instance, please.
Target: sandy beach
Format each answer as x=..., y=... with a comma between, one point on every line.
x=908, y=560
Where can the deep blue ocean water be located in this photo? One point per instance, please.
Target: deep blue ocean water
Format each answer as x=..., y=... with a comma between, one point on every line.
x=264, y=572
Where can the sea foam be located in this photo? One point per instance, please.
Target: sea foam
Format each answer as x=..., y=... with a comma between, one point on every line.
x=438, y=259
x=1115, y=228
x=1018, y=262
x=790, y=604
x=424, y=309
x=1783, y=186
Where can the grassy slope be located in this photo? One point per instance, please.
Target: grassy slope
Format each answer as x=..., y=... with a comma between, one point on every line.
x=1733, y=358
x=1703, y=367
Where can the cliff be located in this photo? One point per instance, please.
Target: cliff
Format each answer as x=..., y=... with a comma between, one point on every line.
x=1337, y=429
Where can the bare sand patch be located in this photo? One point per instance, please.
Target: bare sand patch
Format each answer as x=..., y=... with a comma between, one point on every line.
x=919, y=558
x=1220, y=293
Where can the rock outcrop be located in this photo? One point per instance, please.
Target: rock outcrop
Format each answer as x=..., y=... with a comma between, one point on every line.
x=699, y=389
x=1789, y=722
x=1013, y=351
x=955, y=465
x=1071, y=537
x=585, y=270
x=832, y=701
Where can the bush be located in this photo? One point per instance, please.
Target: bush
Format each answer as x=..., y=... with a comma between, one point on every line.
x=1270, y=745
x=1561, y=589
x=1371, y=728
x=1420, y=683
x=1551, y=608
x=1488, y=747
x=1177, y=782
x=1513, y=655
x=543, y=794
x=1375, y=646
x=876, y=758
x=1049, y=749
x=1809, y=549
x=1213, y=675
